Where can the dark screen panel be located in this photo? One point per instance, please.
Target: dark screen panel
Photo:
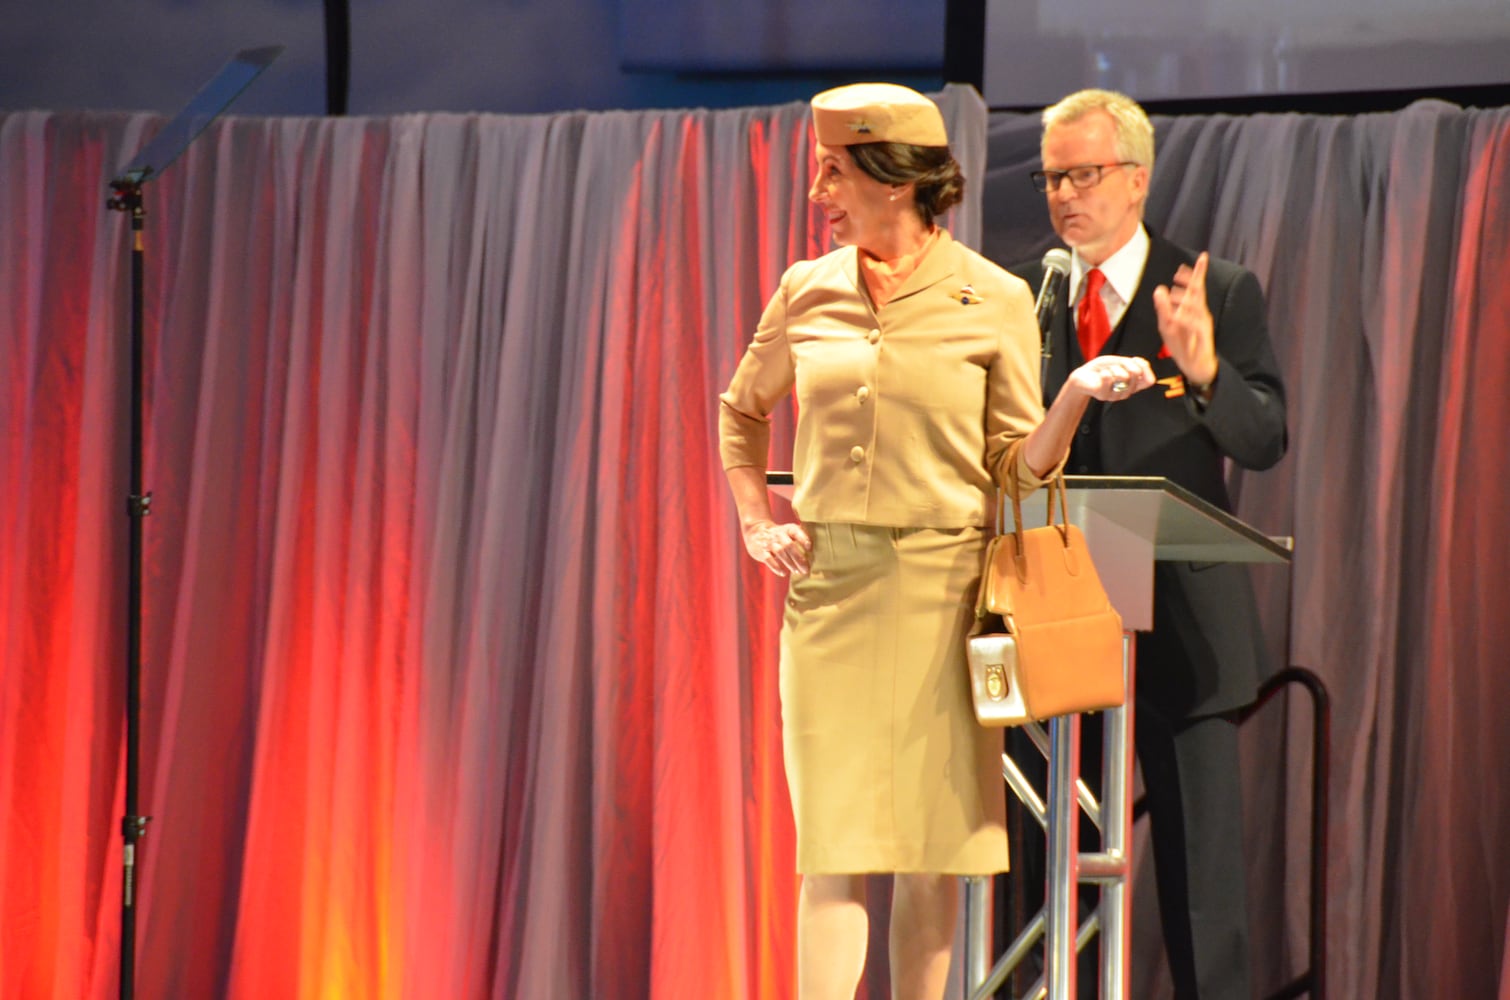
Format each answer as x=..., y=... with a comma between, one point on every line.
x=782, y=35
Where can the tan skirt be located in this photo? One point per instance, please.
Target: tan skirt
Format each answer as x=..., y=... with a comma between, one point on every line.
x=887, y=767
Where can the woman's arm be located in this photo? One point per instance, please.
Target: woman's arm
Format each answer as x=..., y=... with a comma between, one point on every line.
x=1110, y=379
x=780, y=548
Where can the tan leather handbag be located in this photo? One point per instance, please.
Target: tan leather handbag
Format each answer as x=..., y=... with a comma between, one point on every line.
x=1060, y=647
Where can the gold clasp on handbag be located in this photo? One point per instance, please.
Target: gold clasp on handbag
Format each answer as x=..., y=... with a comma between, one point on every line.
x=996, y=681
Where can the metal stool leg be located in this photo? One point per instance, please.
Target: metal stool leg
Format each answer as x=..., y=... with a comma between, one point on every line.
x=1064, y=856
x=977, y=931
x=1116, y=845
x=1111, y=867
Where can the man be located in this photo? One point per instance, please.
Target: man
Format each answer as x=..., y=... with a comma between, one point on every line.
x=1200, y=322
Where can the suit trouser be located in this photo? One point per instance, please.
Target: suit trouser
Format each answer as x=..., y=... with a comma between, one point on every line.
x=1194, y=797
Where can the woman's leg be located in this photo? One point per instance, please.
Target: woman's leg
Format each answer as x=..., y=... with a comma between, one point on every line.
x=924, y=909
x=832, y=932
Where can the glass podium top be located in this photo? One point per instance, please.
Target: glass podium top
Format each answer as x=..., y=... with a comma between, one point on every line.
x=1182, y=525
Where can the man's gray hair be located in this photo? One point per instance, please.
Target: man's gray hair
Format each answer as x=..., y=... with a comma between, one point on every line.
x=1134, y=130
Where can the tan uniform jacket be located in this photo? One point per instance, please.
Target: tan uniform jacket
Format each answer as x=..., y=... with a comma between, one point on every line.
x=906, y=413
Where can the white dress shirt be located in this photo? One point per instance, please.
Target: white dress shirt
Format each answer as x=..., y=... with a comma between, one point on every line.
x=1123, y=270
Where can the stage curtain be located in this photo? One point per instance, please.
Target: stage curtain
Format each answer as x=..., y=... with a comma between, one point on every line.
x=458, y=682
x=1381, y=241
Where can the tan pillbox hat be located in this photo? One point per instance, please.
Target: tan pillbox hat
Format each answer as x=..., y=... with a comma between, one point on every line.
x=877, y=112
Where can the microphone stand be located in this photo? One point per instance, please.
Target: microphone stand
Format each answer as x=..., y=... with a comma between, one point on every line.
x=126, y=197
x=1056, y=266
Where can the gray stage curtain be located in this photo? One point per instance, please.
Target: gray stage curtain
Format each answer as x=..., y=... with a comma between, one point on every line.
x=1382, y=243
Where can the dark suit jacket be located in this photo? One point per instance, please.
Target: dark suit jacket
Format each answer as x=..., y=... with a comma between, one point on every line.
x=1203, y=655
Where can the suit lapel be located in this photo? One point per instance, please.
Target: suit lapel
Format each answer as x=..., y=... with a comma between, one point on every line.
x=1065, y=355
x=1137, y=333
x=851, y=269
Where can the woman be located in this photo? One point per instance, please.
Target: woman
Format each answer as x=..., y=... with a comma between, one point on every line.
x=915, y=365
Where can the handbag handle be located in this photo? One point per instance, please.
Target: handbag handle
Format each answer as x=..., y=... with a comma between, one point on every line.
x=1055, y=487
x=1019, y=560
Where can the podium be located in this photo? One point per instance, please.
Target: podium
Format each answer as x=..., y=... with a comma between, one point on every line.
x=1129, y=523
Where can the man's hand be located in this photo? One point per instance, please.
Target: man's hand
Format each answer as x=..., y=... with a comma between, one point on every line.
x=1185, y=323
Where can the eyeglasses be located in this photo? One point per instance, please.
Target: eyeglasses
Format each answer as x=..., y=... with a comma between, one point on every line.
x=1080, y=177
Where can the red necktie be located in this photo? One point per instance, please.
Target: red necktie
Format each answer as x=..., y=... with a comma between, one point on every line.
x=1091, y=324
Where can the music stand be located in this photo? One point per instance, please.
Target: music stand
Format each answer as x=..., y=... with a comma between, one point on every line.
x=205, y=106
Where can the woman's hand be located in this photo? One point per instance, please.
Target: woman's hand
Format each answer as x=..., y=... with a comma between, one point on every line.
x=1108, y=378
x=1112, y=379
x=780, y=548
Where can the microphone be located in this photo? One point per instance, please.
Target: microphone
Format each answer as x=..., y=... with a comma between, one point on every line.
x=1056, y=267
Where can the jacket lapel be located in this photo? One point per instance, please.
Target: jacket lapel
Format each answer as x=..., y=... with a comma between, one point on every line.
x=1137, y=333
x=1065, y=350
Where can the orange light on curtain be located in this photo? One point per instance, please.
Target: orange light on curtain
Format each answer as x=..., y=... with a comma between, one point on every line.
x=459, y=682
